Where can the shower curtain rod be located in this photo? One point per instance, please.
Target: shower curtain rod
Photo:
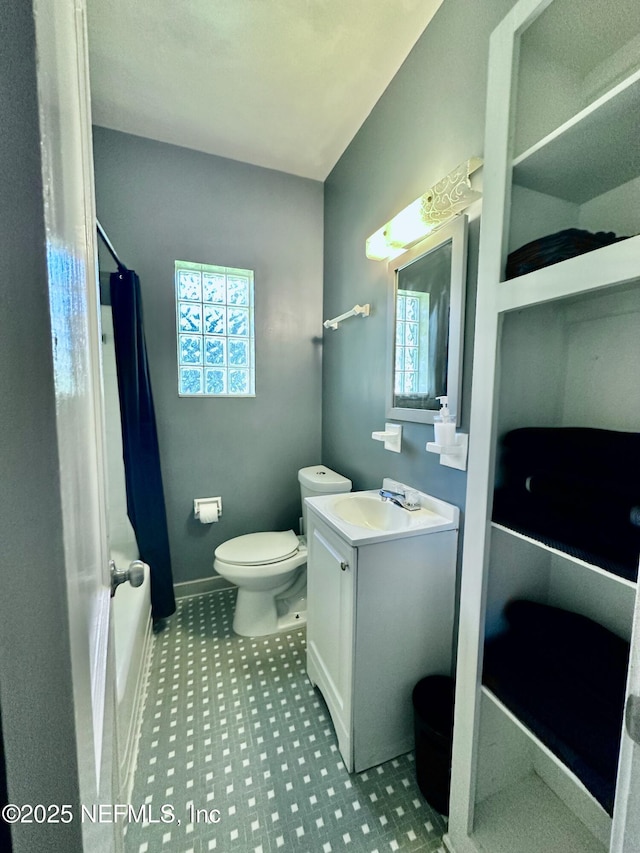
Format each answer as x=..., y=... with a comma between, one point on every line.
x=102, y=233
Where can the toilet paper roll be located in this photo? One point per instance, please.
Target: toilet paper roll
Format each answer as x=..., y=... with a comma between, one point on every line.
x=208, y=514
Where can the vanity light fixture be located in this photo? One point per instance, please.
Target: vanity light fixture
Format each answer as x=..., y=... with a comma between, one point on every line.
x=441, y=202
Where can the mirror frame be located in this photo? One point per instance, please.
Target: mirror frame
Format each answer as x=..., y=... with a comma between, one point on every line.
x=454, y=233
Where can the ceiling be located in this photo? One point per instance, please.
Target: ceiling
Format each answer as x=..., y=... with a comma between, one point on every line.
x=283, y=84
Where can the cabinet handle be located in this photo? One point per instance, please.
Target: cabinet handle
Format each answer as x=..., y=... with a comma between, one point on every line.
x=344, y=566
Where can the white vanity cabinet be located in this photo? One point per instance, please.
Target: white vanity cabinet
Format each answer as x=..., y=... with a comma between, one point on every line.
x=379, y=618
x=331, y=570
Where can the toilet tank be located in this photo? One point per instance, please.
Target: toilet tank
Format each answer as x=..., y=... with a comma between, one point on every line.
x=319, y=480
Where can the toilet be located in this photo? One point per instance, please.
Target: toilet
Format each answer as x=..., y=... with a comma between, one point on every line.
x=270, y=569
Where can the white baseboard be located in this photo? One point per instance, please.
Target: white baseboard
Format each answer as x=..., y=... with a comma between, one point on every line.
x=187, y=589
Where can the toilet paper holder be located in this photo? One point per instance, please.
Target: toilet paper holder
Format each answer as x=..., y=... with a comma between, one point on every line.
x=207, y=510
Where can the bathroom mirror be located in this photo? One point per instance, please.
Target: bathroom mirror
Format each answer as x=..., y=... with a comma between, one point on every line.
x=426, y=311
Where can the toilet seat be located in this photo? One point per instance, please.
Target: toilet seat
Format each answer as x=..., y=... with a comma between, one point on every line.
x=257, y=549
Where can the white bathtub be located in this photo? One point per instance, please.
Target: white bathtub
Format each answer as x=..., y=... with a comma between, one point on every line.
x=130, y=608
x=131, y=619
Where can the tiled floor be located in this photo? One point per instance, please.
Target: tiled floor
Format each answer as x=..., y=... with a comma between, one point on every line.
x=240, y=749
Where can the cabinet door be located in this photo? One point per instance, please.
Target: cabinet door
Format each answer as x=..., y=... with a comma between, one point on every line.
x=330, y=614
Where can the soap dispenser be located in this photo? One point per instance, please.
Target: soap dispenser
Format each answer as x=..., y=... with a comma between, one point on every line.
x=443, y=424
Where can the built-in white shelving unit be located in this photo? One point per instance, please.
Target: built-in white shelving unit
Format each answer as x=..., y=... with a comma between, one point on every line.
x=532, y=773
x=577, y=564
x=559, y=346
x=590, y=154
x=577, y=275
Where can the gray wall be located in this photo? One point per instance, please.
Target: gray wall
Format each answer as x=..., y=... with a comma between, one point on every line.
x=430, y=119
x=36, y=695
x=160, y=203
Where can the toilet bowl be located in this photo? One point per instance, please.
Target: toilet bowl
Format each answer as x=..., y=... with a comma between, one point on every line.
x=269, y=569
x=263, y=566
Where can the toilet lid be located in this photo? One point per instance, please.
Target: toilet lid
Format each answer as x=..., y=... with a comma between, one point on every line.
x=256, y=548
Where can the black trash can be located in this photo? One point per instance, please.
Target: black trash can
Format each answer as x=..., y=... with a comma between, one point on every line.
x=433, y=722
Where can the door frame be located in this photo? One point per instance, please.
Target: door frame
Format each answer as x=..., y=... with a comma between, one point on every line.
x=56, y=680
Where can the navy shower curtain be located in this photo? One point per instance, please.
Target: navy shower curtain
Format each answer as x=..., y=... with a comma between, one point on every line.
x=145, y=495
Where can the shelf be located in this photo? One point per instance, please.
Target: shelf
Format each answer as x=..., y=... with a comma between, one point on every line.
x=560, y=781
x=591, y=153
x=568, y=557
x=558, y=364
x=528, y=817
x=609, y=266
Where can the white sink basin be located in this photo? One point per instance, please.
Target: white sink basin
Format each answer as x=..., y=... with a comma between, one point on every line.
x=363, y=517
x=370, y=511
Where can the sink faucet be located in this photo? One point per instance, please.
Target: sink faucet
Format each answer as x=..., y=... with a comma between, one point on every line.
x=408, y=500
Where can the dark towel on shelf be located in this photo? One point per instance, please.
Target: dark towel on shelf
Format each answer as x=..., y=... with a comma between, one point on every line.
x=573, y=642
x=575, y=489
x=584, y=497
x=564, y=677
x=554, y=248
x=600, y=546
x=604, y=457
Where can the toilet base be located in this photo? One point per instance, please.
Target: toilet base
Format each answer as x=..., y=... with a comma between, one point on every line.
x=294, y=599
x=291, y=604
x=259, y=613
x=293, y=620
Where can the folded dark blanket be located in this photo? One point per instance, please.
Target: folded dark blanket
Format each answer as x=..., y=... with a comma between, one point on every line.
x=554, y=248
x=576, y=489
x=564, y=676
x=614, y=548
x=585, y=498
x=569, y=641
x=606, y=459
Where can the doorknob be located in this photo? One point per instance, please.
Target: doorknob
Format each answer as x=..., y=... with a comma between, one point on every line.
x=134, y=574
x=632, y=718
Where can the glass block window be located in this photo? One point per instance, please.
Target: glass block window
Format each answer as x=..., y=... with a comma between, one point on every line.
x=216, y=342
x=412, y=340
